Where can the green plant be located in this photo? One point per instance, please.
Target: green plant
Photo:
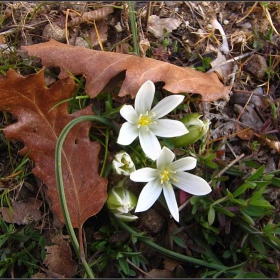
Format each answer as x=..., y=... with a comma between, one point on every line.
x=22, y=250
x=120, y=250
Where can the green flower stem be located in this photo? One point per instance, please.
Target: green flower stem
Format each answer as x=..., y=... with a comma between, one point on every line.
x=60, y=185
x=172, y=254
x=133, y=27
x=106, y=153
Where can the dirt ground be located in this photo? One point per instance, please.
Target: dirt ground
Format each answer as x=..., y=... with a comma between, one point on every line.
x=245, y=54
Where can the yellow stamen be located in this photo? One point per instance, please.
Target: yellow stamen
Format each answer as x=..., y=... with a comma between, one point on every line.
x=166, y=175
x=144, y=120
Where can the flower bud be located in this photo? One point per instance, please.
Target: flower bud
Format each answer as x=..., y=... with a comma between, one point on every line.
x=120, y=202
x=122, y=164
x=196, y=127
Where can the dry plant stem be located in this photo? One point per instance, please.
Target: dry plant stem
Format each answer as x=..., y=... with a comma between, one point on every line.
x=148, y=13
x=232, y=60
x=232, y=134
x=51, y=274
x=244, y=108
x=228, y=166
x=15, y=28
x=182, y=206
x=250, y=11
x=269, y=19
x=98, y=37
x=233, y=75
x=66, y=22
x=139, y=269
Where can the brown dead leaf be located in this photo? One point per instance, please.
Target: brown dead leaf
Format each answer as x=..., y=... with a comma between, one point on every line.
x=91, y=16
x=100, y=67
x=29, y=100
x=24, y=212
x=59, y=258
x=102, y=28
x=244, y=133
x=158, y=26
x=160, y=273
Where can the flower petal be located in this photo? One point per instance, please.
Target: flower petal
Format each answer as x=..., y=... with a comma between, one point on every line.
x=191, y=183
x=170, y=198
x=165, y=158
x=144, y=98
x=127, y=134
x=168, y=128
x=183, y=164
x=149, y=143
x=148, y=195
x=166, y=105
x=145, y=174
x=128, y=113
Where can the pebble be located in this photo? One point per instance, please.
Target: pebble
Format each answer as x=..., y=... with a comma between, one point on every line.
x=152, y=221
x=257, y=66
x=55, y=32
x=79, y=42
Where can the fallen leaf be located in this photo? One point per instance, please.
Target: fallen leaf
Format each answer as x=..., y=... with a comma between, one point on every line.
x=102, y=28
x=39, y=275
x=24, y=212
x=91, y=16
x=160, y=273
x=171, y=264
x=100, y=67
x=244, y=133
x=158, y=26
x=225, y=70
x=59, y=258
x=29, y=100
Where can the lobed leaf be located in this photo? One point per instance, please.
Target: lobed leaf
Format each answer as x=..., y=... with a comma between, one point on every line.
x=100, y=67
x=29, y=100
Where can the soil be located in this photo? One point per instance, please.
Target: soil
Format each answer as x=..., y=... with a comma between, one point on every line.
x=251, y=67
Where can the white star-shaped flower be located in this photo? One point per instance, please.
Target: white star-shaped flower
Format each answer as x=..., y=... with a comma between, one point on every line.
x=166, y=174
x=146, y=123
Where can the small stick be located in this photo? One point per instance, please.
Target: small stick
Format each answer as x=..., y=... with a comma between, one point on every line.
x=231, y=60
x=149, y=8
x=139, y=269
x=228, y=166
x=250, y=11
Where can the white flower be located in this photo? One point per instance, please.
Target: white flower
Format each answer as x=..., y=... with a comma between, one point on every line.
x=168, y=173
x=122, y=164
x=146, y=123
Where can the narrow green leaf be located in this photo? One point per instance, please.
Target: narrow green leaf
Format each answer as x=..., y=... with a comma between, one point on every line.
x=257, y=174
x=270, y=228
x=261, y=203
x=124, y=265
x=247, y=218
x=257, y=244
x=241, y=189
x=224, y=211
x=254, y=275
x=276, y=182
x=179, y=241
x=211, y=216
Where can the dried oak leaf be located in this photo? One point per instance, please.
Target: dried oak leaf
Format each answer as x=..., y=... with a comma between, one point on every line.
x=24, y=212
x=29, y=100
x=59, y=258
x=100, y=67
